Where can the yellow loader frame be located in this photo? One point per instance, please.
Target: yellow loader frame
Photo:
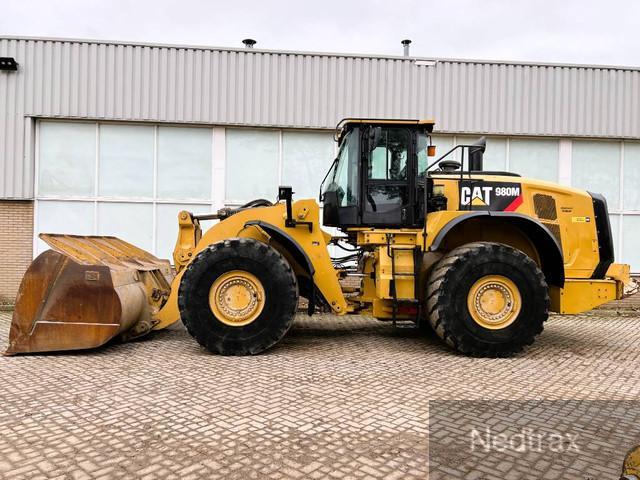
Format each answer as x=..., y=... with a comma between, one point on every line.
x=87, y=290
x=305, y=246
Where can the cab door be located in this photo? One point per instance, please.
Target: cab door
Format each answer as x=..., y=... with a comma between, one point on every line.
x=388, y=174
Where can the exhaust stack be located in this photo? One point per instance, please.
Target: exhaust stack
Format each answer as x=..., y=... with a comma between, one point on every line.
x=405, y=45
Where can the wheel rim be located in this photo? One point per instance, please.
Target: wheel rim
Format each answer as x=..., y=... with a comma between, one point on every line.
x=236, y=298
x=494, y=302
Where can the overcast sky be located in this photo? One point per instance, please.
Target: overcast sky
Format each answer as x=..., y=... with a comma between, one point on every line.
x=574, y=31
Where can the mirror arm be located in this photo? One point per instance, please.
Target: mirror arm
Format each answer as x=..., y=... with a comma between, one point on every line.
x=474, y=146
x=435, y=162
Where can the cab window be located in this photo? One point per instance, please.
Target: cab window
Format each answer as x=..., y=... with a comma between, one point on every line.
x=388, y=160
x=386, y=195
x=421, y=150
x=345, y=177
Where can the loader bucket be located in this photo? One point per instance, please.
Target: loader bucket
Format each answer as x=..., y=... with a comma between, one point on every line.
x=85, y=291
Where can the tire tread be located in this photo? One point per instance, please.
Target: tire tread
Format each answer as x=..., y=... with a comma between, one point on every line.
x=445, y=273
x=242, y=247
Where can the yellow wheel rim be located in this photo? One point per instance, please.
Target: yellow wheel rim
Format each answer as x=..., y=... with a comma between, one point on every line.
x=494, y=302
x=236, y=298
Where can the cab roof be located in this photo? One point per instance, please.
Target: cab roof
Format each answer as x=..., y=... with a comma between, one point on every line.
x=345, y=123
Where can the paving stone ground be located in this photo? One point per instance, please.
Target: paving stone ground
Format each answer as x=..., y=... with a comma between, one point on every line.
x=338, y=398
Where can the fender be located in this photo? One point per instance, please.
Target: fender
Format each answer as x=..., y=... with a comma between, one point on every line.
x=304, y=246
x=294, y=249
x=545, y=242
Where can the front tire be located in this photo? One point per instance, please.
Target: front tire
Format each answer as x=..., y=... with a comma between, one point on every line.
x=238, y=297
x=487, y=299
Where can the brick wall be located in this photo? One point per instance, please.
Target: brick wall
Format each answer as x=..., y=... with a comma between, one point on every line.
x=16, y=245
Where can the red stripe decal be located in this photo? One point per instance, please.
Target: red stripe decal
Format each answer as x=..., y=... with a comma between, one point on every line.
x=514, y=205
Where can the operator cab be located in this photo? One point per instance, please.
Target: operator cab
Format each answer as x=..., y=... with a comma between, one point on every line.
x=379, y=177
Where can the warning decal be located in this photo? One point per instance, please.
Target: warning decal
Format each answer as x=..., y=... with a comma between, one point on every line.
x=493, y=196
x=580, y=219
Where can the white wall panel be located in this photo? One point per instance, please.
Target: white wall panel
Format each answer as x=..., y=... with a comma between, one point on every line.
x=67, y=159
x=252, y=164
x=73, y=218
x=535, y=158
x=126, y=161
x=630, y=235
x=595, y=167
x=184, y=163
x=631, y=176
x=495, y=155
x=131, y=222
x=306, y=157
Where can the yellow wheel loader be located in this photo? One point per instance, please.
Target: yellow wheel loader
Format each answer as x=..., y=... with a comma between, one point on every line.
x=481, y=257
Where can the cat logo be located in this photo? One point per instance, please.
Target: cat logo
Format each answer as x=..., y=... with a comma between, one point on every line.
x=478, y=202
x=493, y=196
x=475, y=196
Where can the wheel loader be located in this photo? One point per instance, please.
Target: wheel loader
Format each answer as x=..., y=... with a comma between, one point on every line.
x=480, y=257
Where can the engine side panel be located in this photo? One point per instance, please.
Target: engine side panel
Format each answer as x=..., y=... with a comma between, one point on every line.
x=567, y=213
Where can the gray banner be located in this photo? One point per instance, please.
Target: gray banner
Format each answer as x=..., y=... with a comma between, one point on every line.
x=533, y=439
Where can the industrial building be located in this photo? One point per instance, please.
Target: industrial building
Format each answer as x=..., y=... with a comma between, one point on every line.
x=114, y=138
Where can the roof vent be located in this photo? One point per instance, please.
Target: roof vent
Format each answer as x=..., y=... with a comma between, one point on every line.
x=249, y=42
x=405, y=44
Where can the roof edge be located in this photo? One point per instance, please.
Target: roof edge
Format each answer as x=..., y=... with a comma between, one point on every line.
x=318, y=54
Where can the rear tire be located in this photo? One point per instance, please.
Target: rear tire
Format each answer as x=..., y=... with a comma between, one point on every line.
x=271, y=282
x=492, y=276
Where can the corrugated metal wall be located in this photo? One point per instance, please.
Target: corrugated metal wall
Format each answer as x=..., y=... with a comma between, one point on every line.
x=78, y=79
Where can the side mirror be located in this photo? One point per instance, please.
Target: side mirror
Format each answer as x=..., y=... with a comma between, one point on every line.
x=476, y=154
x=333, y=164
x=375, y=134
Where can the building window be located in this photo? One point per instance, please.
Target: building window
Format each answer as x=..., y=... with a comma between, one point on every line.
x=126, y=161
x=60, y=216
x=121, y=179
x=184, y=163
x=631, y=187
x=132, y=222
x=67, y=159
x=252, y=164
x=258, y=161
x=595, y=166
x=630, y=253
x=306, y=157
x=534, y=158
x=131, y=180
x=495, y=155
